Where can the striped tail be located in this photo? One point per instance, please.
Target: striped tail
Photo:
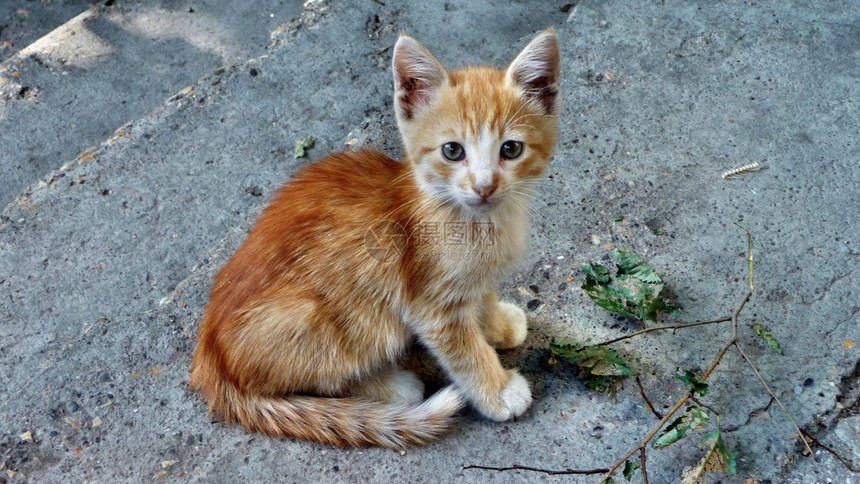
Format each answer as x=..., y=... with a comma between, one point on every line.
x=345, y=422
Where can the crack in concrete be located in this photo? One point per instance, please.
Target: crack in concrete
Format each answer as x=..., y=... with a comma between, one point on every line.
x=824, y=424
x=827, y=287
x=752, y=415
x=849, y=391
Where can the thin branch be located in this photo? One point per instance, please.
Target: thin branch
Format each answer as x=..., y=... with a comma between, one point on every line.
x=685, y=398
x=642, y=464
x=705, y=406
x=738, y=312
x=650, y=405
x=535, y=469
x=773, y=395
x=717, y=359
x=673, y=327
x=847, y=463
x=647, y=439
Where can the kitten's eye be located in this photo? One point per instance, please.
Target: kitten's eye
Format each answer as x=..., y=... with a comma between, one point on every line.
x=511, y=150
x=453, y=151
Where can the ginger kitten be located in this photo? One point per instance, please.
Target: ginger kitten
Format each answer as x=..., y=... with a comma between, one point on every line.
x=360, y=252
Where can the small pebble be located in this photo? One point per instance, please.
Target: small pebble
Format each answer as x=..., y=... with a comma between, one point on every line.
x=533, y=304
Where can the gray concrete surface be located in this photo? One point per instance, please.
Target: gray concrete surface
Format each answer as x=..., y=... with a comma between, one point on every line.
x=22, y=22
x=105, y=266
x=109, y=64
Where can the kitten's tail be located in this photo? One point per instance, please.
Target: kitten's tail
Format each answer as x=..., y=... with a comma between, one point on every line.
x=345, y=422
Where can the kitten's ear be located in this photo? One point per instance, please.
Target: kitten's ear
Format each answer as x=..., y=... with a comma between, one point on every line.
x=537, y=70
x=417, y=75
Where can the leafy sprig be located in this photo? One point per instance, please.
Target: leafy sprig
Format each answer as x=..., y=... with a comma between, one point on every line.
x=637, y=288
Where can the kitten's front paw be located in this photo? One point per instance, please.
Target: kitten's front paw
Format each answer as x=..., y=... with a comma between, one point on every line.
x=512, y=401
x=516, y=319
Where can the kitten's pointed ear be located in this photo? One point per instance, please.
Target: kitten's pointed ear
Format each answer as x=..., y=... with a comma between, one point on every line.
x=537, y=70
x=417, y=76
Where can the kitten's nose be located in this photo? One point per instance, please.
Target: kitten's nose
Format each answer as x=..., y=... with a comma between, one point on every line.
x=484, y=192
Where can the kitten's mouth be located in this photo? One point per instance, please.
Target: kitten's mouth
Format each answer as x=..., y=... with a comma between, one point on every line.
x=482, y=204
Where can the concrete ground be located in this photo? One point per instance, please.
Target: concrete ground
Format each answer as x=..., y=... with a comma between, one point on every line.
x=107, y=256
x=109, y=63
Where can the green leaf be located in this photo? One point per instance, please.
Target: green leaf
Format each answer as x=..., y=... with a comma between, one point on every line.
x=637, y=290
x=652, y=304
x=658, y=231
x=630, y=469
x=699, y=387
x=633, y=289
x=599, y=365
x=627, y=259
x=610, y=480
x=765, y=334
x=645, y=273
x=598, y=383
x=608, y=298
x=618, y=218
x=659, y=305
x=302, y=146
x=597, y=272
x=630, y=262
x=719, y=457
x=693, y=419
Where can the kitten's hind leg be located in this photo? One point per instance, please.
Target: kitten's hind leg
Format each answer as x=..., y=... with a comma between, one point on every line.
x=391, y=386
x=503, y=324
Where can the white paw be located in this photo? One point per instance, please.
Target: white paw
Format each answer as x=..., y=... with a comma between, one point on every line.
x=517, y=319
x=515, y=399
x=406, y=388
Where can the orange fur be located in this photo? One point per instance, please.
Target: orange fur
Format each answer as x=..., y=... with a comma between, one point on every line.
x=307, y=320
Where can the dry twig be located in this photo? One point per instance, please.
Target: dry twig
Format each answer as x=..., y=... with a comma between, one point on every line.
x=847, y=463
x=517, y=467
x=645, y=397
x=642, y=464
x=772, y=395
x=673, y=327
x=643, y=444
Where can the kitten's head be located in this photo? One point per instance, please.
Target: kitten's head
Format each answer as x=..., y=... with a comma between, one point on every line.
x=479, y=137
